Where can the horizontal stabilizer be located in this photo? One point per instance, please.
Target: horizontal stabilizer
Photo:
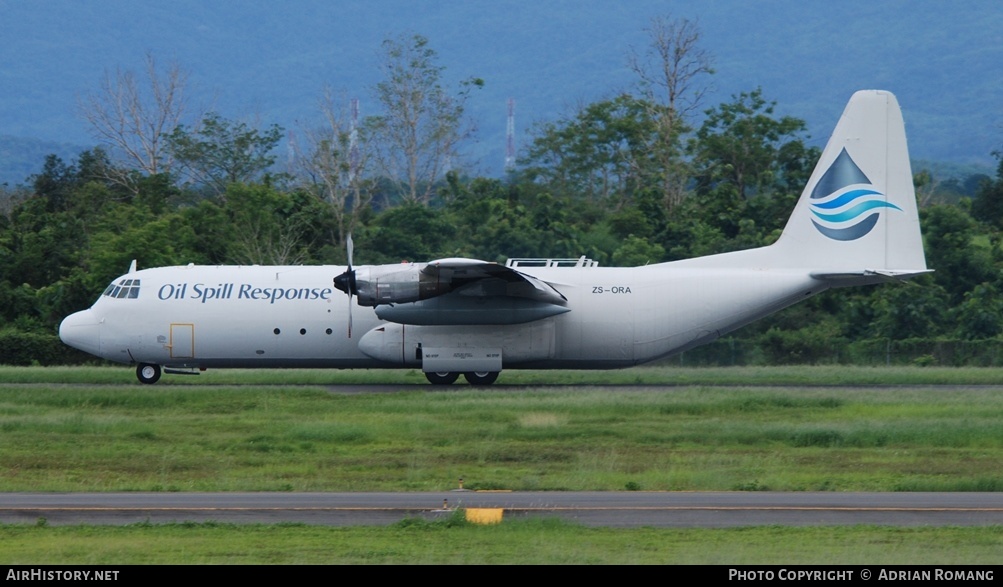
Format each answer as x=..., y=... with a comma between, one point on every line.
x=868, y=276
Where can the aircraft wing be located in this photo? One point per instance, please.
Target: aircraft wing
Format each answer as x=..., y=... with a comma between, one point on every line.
x=459, y=291
x=471, y=277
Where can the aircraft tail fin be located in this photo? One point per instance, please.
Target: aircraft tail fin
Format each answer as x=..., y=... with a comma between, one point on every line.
x=857, y=215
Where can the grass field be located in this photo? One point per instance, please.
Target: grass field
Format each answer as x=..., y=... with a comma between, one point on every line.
x=655, y=375
x=685, y=429
x=521, y=542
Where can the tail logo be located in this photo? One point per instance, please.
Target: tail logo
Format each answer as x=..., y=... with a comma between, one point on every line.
x=845, y=194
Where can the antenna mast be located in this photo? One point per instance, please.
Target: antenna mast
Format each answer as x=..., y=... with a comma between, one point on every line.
x=353, y=141
x=510, y=136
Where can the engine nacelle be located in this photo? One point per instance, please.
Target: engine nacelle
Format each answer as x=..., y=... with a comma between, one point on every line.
x=395, y=284
x=501, y=288
x=455, y=309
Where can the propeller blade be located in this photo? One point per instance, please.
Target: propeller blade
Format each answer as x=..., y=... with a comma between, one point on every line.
x=349, y=246
x=346, y=281
x=349, y=315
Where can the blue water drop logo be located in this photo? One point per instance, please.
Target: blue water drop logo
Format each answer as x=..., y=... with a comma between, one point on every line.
x=845, y=196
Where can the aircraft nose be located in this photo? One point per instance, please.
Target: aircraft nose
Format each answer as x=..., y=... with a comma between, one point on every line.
x=82, y=330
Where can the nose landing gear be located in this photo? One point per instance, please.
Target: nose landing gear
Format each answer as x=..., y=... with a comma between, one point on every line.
x=147, y=373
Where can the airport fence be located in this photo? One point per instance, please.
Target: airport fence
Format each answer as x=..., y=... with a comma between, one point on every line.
x=765, y=350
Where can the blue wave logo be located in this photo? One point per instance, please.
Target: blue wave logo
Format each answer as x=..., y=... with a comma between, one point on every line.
x=845, y=198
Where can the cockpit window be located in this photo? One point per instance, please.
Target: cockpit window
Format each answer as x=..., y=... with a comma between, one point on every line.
x=125, y=288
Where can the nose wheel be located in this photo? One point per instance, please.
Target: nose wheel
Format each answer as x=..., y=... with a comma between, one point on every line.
x=147, y=373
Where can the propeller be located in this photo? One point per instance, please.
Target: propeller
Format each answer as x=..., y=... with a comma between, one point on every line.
x=346, y=282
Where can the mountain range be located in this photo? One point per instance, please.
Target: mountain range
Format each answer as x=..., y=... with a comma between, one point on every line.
x=271, y=62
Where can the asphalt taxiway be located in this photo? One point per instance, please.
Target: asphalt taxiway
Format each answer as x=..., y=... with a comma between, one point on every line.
x=613, y=509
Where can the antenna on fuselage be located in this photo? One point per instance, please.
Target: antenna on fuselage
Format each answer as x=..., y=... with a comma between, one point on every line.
x=132, y=266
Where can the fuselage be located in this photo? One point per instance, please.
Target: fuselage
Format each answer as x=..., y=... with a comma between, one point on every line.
x=270, y=316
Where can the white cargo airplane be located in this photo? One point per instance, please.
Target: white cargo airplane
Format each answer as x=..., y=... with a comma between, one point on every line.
x=855, y=224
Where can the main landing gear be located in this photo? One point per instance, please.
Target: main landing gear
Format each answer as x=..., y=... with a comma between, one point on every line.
x=446, y=378
x=474, y=378
x=481, y=377
x=147, y=373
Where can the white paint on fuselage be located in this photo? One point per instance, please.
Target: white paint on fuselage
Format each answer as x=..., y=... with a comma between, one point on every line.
x=627, y=316
x=239, y=316
x=233, y=316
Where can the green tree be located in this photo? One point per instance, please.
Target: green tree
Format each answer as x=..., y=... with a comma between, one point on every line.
x=271, y=227
x=987, y=206
x=742, y=145
x=335, y=167
x=496, y=220
x=691, y=232
x=980, y=314
x=953, y=251
x=126, y=233
x=603, y=153
x=749, y=165
x=418, y=134
x=39, y=248
x=909, y=311
x=635, y=251
x=409, y=232
x=669, y=73
x=55, y=183
x=221, y=152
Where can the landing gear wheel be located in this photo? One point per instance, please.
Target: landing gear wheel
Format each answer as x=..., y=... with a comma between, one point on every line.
x=481, y=377
x=442, y=378
x=147, y=373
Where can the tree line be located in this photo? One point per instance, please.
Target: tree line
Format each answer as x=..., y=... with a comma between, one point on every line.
x=646, y=175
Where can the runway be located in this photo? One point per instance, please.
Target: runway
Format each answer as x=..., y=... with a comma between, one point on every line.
x=611, y=509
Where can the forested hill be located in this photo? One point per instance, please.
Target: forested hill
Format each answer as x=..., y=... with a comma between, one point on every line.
x=270, y=62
